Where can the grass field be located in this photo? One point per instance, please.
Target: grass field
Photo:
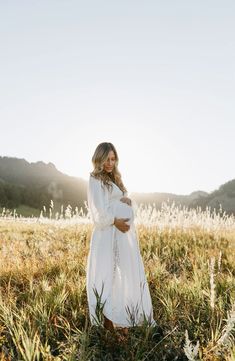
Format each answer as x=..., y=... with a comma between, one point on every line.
x=189, y=259
x=24, y=211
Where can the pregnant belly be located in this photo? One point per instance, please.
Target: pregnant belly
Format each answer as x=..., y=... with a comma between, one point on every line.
x=123, y=210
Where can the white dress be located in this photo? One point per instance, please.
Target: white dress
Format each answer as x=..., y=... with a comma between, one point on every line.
x=115, y=268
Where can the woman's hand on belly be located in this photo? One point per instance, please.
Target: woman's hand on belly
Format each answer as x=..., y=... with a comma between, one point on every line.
x=126, y=200
x=121, y=225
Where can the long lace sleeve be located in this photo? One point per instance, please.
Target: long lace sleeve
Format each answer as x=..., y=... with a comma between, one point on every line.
x=101, y=213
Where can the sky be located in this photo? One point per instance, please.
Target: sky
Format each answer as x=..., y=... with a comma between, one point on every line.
x=155, y=78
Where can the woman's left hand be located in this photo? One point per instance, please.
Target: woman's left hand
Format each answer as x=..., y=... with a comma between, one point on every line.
x=126, y=200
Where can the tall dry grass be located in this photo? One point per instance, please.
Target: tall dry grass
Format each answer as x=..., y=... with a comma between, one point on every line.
x=189, y=259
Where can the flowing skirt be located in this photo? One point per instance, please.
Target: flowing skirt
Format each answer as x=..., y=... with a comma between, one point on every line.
x=115, y=273
x=131, y=300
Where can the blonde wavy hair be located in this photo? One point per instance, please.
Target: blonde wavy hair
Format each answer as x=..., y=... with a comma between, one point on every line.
x=98, y=159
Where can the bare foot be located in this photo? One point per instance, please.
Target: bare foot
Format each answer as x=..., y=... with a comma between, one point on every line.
x=108, y=324
x=125, y=330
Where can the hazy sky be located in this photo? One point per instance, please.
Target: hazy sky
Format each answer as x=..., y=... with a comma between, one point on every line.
x=155, y=78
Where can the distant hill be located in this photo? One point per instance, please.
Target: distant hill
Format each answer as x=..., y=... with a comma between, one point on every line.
x=35, y=184
x=225, y=196
x=30, y=186
x=158, y=198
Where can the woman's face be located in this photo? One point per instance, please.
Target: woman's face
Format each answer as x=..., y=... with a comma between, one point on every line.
x=110, y=162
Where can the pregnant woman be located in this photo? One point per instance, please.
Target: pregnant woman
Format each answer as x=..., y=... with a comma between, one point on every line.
x=115, y=270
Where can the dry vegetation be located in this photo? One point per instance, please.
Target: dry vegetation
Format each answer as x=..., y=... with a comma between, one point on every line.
x=189, y=259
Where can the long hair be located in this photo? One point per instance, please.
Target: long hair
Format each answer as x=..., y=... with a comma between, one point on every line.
x=98, y=159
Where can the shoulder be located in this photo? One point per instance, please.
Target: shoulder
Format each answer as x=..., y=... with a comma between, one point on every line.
x=95, y=182
x=93, y=179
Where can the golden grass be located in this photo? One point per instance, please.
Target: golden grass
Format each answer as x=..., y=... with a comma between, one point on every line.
x=43, y=303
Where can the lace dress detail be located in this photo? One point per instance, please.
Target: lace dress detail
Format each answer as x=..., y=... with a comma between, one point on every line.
x=116, y=268
x=116, y=259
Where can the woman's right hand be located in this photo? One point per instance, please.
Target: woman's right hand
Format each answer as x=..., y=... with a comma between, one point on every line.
x=121, y=225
